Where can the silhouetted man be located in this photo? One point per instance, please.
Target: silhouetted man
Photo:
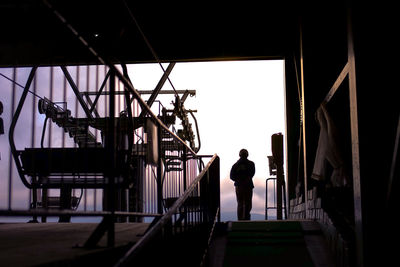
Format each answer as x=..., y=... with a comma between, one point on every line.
x=242, y=173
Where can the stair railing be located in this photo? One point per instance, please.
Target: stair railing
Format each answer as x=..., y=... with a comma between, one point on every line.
x=186, y=213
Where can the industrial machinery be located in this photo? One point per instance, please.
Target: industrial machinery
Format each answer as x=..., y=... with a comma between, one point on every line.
x=110, y=149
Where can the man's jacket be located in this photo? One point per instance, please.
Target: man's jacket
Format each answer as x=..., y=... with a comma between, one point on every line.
x=242, y=173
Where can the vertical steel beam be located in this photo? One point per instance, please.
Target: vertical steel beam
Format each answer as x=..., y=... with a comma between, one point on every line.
x=303, y=116
x=33, y=137
x=51, y=82
x=355, y=144
x=111, y=147
x=159, y=170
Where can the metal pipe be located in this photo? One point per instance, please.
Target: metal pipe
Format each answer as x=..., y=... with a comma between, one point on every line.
x=111, y=147
x=51, y=99
x=10, y=176
x=14, y=123
x=33, y=135
x=159, y=172
x=266, y=196
x=303, y=113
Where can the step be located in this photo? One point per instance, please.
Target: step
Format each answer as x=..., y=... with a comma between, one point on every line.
x=174, y=169
x=270, y=243
x=173, y=163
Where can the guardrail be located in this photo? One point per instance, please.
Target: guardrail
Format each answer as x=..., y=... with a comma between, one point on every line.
x=197, y=207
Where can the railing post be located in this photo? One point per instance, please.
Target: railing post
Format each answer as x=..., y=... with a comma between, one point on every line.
x=159, y=170
x=214, y=183
x=111, y=148
x=184, y=161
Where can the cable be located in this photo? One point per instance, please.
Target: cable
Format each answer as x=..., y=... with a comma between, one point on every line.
x=33, y=93
x=79, y=199
x=11, y=80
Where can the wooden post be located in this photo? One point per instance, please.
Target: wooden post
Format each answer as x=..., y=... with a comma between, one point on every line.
x=355, y=144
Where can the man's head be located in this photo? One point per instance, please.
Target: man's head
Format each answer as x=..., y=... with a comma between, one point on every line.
x=243, y=153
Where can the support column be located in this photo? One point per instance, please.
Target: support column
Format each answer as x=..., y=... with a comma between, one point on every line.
x=303, y=116
x=355, y=146
x=159, y=171
x=111, y=147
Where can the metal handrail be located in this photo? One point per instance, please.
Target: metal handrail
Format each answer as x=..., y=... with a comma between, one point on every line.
x=147, y=238
x=266, y=196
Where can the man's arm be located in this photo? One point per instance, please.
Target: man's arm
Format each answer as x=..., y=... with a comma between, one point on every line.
x=252, y=169
x=233, y=173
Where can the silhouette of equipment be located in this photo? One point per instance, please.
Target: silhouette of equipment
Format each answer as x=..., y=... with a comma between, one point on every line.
x=111, y=161
x=276, y=168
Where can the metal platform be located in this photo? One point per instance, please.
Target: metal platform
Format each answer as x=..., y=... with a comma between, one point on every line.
x=48, y=244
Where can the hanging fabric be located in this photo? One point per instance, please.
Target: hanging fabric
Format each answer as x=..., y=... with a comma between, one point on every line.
x=328, y=151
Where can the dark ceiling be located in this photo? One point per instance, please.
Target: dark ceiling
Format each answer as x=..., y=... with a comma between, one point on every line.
x=33, y=34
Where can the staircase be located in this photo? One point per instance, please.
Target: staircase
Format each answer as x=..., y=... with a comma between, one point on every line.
x=172, y=162
x=269, y=243
x=78, y=129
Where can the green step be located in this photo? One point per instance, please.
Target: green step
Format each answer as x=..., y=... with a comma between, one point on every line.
x=269, y=226
x=266, y=243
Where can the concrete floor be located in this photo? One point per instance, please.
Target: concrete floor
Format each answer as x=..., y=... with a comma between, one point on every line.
x=30, y=244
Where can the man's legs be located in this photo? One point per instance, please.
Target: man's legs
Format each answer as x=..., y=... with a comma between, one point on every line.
x=248, y=201
x=240, y=203
x=244, y=202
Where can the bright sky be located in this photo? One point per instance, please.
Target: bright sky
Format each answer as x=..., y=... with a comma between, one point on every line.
x=240, y=105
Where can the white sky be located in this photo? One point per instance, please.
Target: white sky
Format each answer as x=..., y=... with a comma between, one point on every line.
x=240, y=105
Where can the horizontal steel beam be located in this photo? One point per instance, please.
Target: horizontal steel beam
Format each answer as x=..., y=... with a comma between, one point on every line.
x=43, y=212
x=145, y=92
